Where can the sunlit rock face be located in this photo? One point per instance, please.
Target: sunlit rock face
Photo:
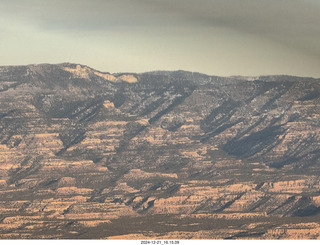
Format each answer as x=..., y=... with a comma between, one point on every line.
x=168, y=155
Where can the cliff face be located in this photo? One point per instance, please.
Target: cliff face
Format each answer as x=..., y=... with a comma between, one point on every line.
x=86, y=154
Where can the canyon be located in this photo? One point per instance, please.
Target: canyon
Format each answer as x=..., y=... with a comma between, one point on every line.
x=86, y=154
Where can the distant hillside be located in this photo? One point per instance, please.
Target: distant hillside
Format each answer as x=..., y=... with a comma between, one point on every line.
x=165, y=154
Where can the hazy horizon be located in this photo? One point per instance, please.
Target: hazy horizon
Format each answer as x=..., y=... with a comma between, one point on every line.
x=218, y=37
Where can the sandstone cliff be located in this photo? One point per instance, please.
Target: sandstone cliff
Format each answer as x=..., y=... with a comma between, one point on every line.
x=171, y=155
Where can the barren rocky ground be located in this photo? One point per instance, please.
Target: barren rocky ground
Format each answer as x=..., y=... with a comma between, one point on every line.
x=158, y=155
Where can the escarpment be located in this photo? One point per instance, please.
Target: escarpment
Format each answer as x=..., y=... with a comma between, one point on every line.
x=177, y=155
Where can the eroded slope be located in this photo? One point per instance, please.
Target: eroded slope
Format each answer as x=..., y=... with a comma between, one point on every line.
x=172, y=155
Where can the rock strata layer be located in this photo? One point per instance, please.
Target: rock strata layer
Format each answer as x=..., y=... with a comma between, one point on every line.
x=165, y=155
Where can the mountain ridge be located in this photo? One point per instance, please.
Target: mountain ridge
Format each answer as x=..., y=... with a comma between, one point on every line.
x=81, y=151
x=164, y=72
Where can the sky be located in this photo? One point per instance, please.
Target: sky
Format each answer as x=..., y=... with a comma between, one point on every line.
x=216, y=37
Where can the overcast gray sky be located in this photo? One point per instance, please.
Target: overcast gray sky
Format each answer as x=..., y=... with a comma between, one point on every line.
x=217, y=37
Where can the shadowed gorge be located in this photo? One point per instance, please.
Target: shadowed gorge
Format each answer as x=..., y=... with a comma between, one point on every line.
x=167, y=155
